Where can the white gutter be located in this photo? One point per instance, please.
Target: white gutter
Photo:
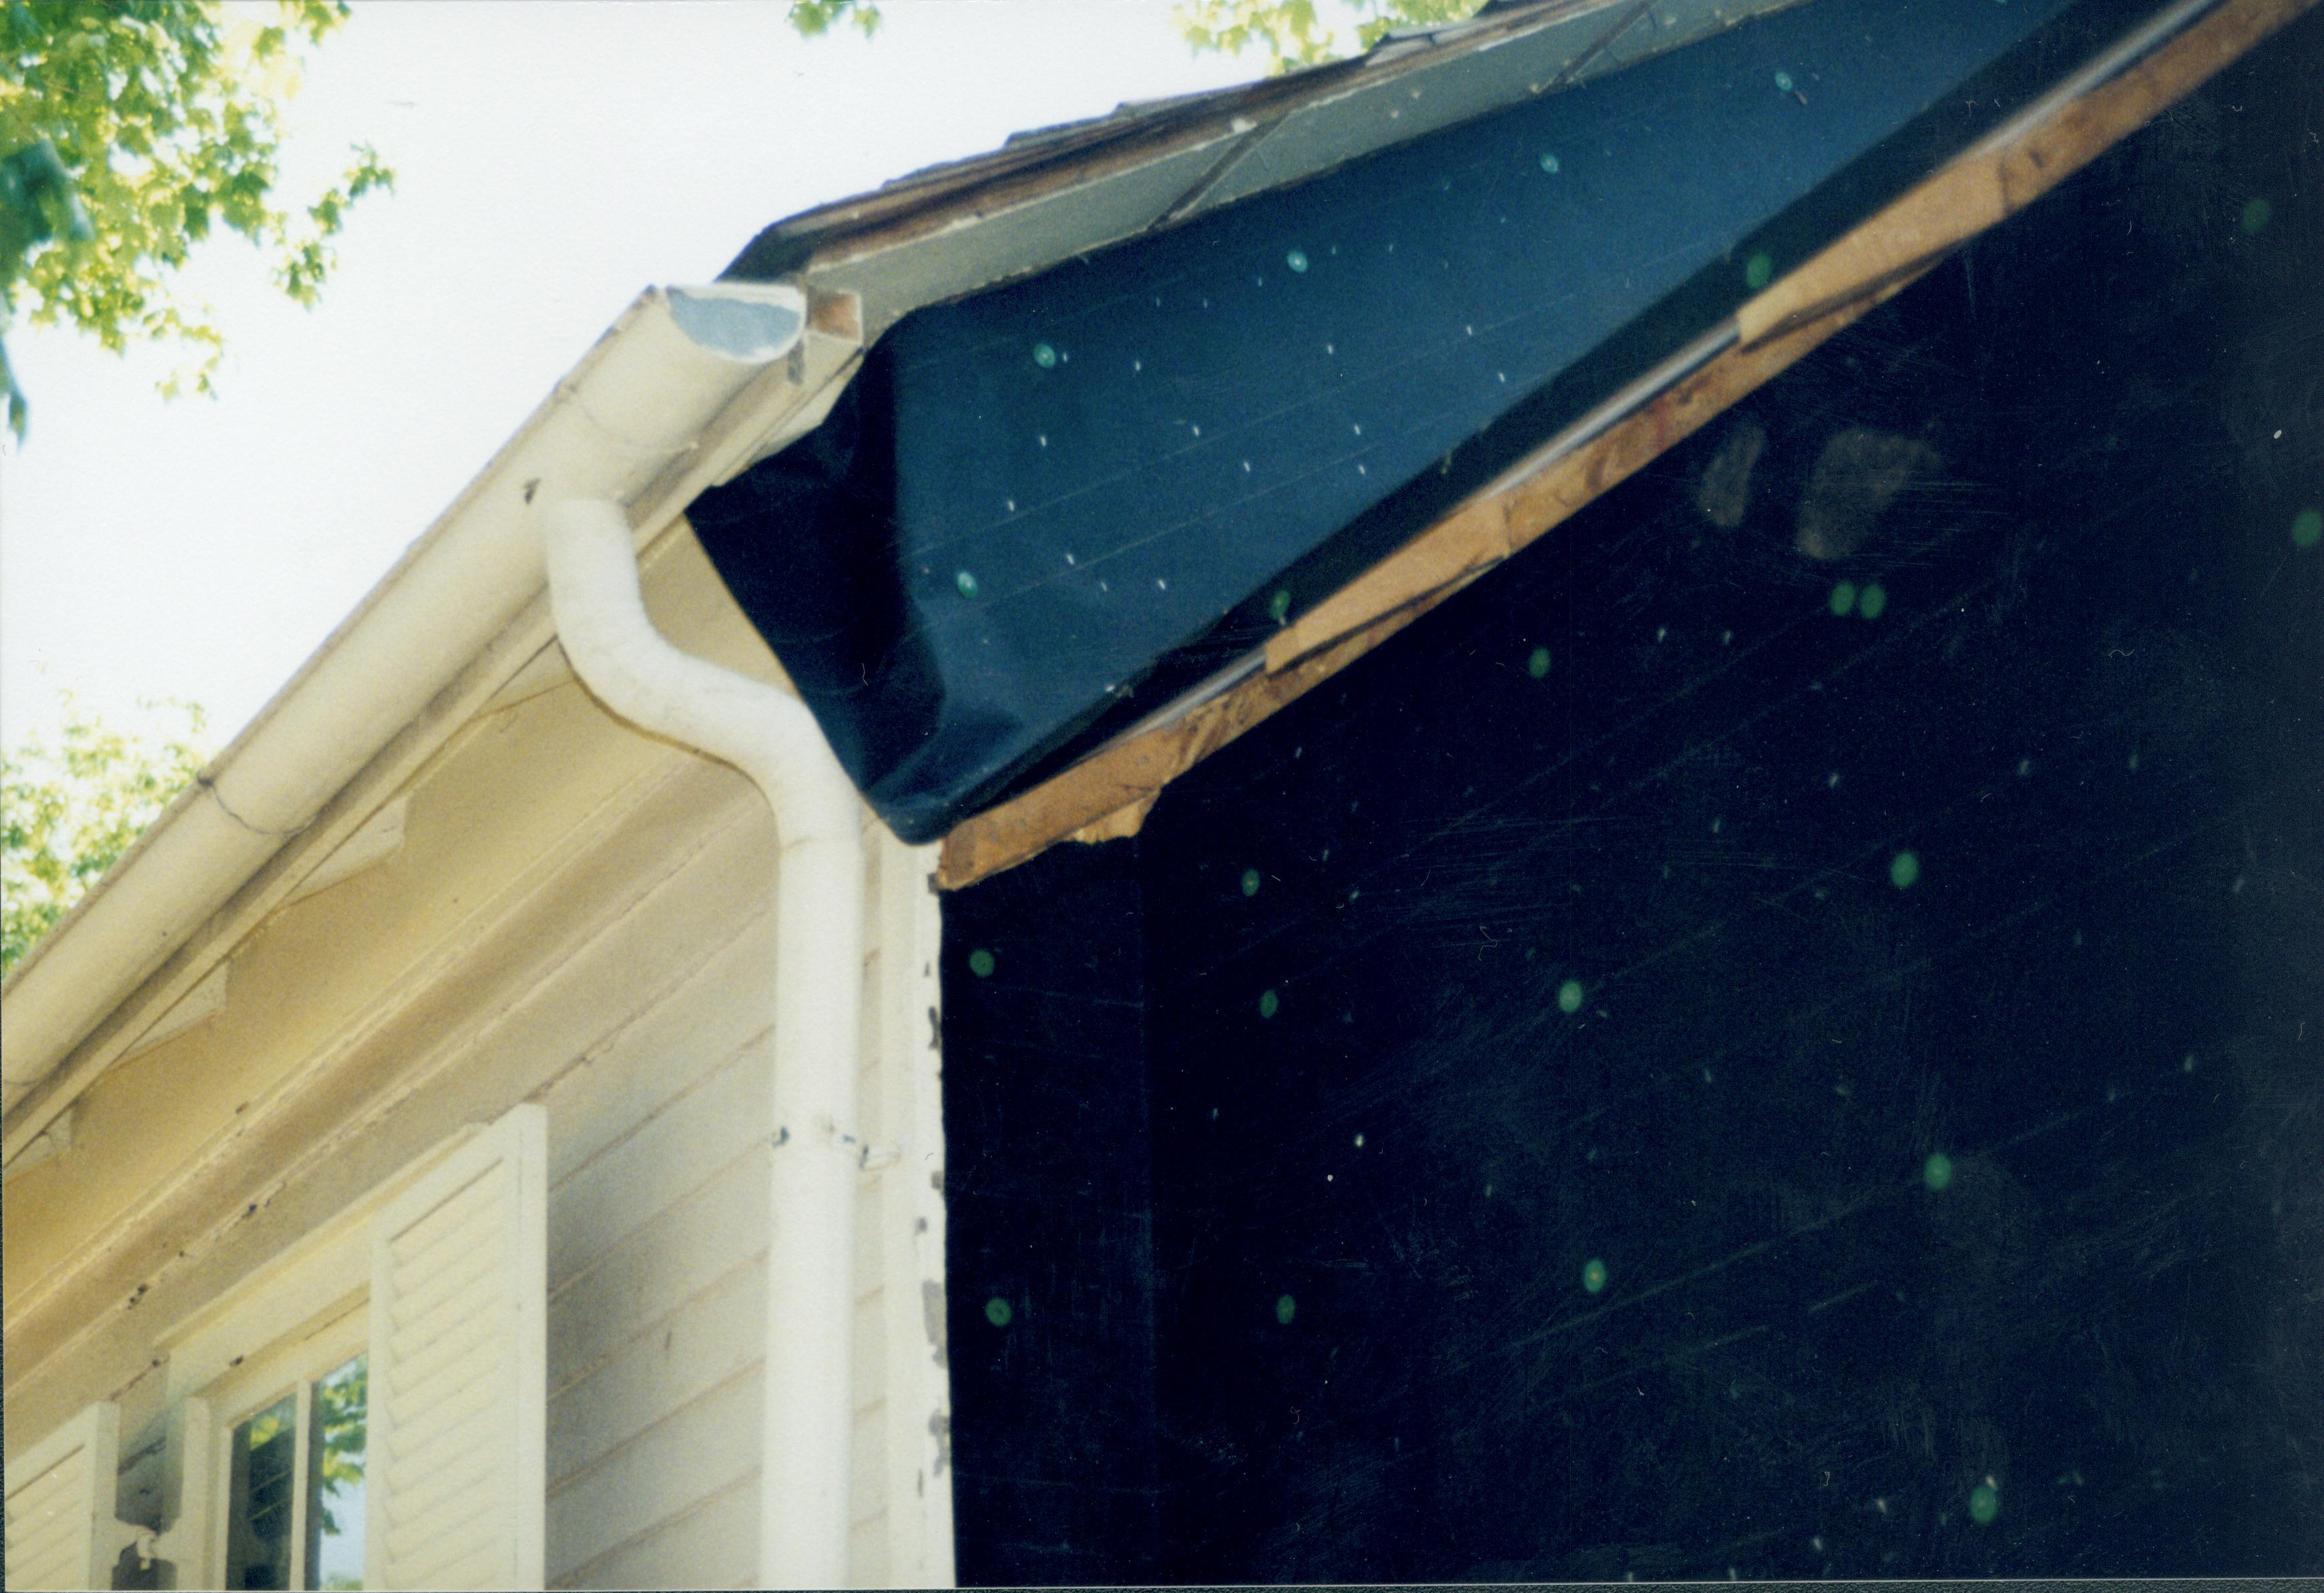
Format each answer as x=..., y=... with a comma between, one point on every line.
x=686, y=388
x=771, y=736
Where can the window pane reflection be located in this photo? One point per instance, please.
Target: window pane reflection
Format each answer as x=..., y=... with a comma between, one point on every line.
x=258, y=1534
x=335, y=1480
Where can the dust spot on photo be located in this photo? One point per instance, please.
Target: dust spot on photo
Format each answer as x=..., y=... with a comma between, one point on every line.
x=1856, y=478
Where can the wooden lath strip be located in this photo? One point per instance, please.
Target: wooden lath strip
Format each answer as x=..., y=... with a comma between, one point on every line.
x=1107, y=794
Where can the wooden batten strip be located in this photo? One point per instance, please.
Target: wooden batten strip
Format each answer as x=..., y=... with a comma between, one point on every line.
x=1108, y=794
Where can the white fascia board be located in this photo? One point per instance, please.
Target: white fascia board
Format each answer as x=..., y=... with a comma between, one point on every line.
x=685, y=388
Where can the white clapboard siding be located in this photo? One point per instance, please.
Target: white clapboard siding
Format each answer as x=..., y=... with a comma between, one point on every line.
x=457, y=1466
x=61, y=1531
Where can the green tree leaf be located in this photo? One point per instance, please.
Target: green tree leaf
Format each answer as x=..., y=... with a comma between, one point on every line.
x=812, y=18
x=70, y=807
x=129, y=129
x=1291, y=32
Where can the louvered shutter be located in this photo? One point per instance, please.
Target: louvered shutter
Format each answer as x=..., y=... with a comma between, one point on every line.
x=62, y=1532
x=455, y=1469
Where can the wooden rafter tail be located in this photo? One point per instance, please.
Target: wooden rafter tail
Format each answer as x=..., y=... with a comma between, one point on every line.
x=1107, y=794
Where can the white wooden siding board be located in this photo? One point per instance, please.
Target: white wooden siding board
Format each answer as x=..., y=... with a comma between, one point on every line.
x=610, y=1195
x=451, y=1048
x=61, y=1531
x=652, y=1070
x=871, y=1232
x=696, y=1451
x=867, y=1482
x=492, y=1398
x=723, y=1005
x=435, y=1092
x=707, y=1339
x=868, y=1556
x=869, y=1349
x=916, y=1539
x=712, y=1545
x=704, y=1235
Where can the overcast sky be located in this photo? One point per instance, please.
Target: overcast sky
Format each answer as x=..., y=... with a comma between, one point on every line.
x=552, y=159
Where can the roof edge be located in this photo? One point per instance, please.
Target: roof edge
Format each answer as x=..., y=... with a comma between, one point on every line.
x=687, y=386
x=1069, y=190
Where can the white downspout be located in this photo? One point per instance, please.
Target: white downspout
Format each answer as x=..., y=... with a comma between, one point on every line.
x=771, y=736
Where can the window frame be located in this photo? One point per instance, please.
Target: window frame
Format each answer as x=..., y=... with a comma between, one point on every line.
x=232, y=1358
x=293, y=1364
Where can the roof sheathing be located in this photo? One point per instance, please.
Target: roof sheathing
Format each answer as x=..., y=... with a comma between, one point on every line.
x=1040, y=200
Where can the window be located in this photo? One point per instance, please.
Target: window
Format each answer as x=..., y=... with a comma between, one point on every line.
x=370, y=1411
x=288, y=1461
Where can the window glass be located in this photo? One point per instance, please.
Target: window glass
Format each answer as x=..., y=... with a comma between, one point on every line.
x=334, y=1477
x=258, y=1521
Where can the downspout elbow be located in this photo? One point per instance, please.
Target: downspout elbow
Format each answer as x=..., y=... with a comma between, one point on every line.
x=761, y=730
x=816, y=1150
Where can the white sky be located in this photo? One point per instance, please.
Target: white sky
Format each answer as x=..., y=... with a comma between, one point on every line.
x=552, y=158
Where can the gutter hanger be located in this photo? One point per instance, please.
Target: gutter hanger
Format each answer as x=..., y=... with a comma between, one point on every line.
x=688, y=387
x=771, y=736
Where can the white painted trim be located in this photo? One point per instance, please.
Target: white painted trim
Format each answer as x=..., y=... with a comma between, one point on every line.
x=316, y=1276
x=94, y=1433
x=666, y=401
x=498, y=1182
x=52, y=1141
x=380, y=838
x=918, y=1412
x=197, y=1006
